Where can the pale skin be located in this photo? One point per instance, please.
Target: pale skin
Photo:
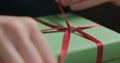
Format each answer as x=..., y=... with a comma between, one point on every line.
x=22, y=42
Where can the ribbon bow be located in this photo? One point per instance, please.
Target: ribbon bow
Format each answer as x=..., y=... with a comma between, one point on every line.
x=66, y=39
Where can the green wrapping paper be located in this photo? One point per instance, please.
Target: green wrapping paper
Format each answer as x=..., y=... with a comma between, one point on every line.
x=82, y=50
x=113, y=61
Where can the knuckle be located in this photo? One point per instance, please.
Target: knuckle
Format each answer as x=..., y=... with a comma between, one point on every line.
x=12, y=23
x=30, y=21
x=54, y=60
x=28, y=18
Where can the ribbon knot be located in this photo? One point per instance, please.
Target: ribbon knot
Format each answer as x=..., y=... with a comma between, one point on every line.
x=66, y=38
x=71, y=28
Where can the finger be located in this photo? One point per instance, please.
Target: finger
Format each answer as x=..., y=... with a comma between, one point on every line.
x=43, y=48
x=116, y=2
x=37, y=38
x=69, y=2
x=23, y=43
x=87, y=4
x=8, y=52
x=1, y=61
x=41, y=44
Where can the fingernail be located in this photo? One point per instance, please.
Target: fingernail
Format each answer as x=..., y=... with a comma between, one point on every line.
x=74, y=7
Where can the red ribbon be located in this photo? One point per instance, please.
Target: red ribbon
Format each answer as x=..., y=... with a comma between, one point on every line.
x=66, y=39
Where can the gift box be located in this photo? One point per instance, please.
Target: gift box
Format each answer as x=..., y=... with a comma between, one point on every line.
x=113, y=61
x=82, y=50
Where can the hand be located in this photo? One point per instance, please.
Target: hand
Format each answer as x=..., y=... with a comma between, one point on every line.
x=82, y=4
x=22, y=42
x=116, y=2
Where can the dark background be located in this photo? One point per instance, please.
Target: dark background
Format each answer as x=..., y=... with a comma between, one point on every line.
x=106, y=14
